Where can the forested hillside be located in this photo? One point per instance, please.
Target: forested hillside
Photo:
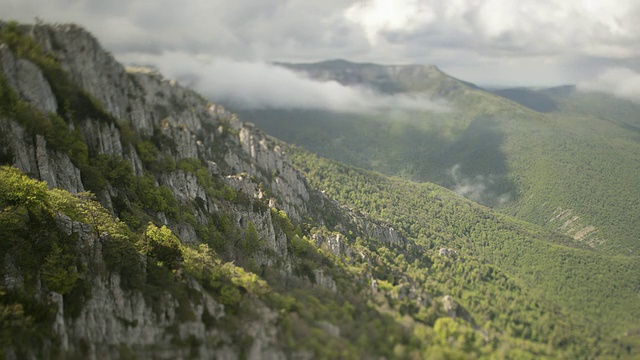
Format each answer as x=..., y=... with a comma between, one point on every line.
x=572, y=169
x=567, y=271
x=140, y=220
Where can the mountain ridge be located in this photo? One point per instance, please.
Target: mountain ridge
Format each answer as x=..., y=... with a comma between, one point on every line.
x=494, y=150
x=389, y=79
x=200, y=238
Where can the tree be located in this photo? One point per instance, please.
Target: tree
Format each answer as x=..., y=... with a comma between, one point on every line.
x=162, y=245
x=58, y=272
x=252, y=241
x=16, y=189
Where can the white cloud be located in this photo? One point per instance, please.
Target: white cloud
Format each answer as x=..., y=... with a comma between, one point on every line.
x=621, y=82
x=376, y=16
x=259, y=85
x=471, y=188
x=477, y=39
x=604, y=28
x=477, y=188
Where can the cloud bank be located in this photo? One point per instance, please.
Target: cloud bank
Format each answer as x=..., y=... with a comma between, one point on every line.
x=477, y=188
x=526, y=42
x=604, y=28
x=255, y=85
x=620, y=82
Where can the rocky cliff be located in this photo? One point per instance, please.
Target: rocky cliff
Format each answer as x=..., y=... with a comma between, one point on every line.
x=140, y=220
x=121, y=132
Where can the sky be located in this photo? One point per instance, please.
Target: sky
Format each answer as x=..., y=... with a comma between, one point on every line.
x=592, y=43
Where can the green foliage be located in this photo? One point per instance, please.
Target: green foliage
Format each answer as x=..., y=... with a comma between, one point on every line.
x=252, y=241
x=226, y=280
x=283, y=222
x=121, y=256
x=74, y=104
x=152, y=159
x=530, y=165
x=24, y=323
x=58, y=271
x=160, y=244
x=148, y=154
x=14, y=324
x=40, y=250
x=189, y=165
x=512, y=282
x=214, y=187
x=148, y=194
x=596, y=285
x=200, y=262
x=17, y=190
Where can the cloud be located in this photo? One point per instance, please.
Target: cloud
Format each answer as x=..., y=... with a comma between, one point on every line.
x=506, y=27
x=472, y=188
x=477, y=188
x=487, y=41
x=247, y=30
x=620, y=82
x=252, y=85
x=379, y=16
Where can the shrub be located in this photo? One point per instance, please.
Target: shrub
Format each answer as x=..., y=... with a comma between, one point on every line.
x=160, y=244
x=58, y=272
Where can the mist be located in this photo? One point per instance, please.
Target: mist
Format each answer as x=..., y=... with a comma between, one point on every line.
x=258, y=85
x=621, y=82
x=477, y=188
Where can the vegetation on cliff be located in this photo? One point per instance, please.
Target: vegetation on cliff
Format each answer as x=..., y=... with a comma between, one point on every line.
x=449, y=279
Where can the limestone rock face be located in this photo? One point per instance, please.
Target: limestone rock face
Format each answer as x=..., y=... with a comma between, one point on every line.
x=32, y=156
x=324, y=280
x=447, y=252
x=112, y=317
x=144, y=106
x=56, y=168
x=26, y=79
x=104, y=138
x=450, y=306
x=90, y=66
x=334, y=243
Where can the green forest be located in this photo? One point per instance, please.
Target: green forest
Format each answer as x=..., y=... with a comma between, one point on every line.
x=421, y=272
x=600, y=288
x=582, y=156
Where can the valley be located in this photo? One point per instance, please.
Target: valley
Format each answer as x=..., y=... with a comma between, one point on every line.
x=139, y=219
x=489, y=149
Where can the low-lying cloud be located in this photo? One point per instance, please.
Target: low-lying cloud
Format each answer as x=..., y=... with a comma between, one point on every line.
x=256, y=85
x=477, y=188
x=620, y=82
x=491, y=42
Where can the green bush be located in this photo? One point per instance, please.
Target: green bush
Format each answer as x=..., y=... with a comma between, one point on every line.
x=161, y=245
x=252, y=241
x=58, y=271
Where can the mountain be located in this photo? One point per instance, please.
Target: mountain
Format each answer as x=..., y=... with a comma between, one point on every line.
x=534, y=100
x=385, y=79
x=566, y=270
x=185, y=244
x=140, y=220
x=570, y=168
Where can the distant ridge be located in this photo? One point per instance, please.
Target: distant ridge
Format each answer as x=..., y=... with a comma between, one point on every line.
x=382, y=78
x=532, y=99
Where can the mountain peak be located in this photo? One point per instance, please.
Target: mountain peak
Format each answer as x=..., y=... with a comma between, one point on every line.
x=200, y=236
x=383, y=78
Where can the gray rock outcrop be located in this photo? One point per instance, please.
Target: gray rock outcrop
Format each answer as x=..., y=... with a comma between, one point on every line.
x=140, y=104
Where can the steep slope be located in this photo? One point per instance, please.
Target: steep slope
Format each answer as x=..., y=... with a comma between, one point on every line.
x=579, y=162
x=385, y=79
x=167, y=228
x=602, y=287
x=156, y=153
x=534, y=100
